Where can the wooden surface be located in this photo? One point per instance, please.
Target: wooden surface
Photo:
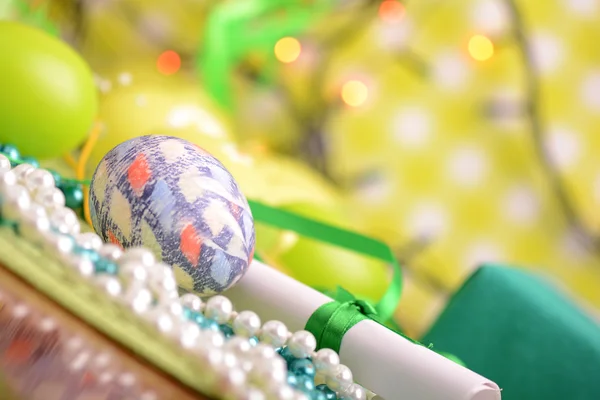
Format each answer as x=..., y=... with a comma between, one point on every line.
x=37, y=359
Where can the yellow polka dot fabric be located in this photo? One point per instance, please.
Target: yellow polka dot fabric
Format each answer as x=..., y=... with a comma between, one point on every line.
x=441, y=155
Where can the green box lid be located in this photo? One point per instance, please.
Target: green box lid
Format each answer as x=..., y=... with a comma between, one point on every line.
x=518, y=331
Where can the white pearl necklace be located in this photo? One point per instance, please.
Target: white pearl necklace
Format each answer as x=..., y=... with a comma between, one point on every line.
x=236, y=368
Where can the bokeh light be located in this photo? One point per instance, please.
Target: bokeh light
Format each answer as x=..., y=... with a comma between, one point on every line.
x=288, y=49
x=355, y=93
x=391, y=11
x=481, y=48
x=168, y=62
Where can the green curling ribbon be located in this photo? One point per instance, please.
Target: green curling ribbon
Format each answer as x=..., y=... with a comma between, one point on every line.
x=35, y=16
x=338, y=237
x=232, y=33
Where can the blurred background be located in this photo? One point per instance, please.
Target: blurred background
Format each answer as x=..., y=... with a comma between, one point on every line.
x=458, y=132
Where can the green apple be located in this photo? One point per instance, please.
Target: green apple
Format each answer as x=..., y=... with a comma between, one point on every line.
x=142, y=103
x=49, y=100
x=325, y=266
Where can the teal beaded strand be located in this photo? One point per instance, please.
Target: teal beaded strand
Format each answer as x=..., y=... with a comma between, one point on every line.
x=301, y=376
x=11, y=153
x=73, y=196
x=301, y=371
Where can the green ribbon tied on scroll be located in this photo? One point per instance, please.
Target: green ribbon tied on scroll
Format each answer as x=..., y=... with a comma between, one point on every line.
x=342, y=238
x=332, y=320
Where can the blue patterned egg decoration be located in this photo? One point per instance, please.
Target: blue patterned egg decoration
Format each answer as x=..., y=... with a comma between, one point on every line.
x=172, y=197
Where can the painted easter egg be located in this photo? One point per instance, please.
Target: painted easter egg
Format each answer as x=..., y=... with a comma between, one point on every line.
x=176, y=199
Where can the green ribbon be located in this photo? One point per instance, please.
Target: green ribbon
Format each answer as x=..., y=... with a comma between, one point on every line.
x=330, y=322
x=236, y=29
x=338, y=237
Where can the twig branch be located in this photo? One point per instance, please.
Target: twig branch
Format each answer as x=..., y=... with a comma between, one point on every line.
x=406, y=257
x=537, y=133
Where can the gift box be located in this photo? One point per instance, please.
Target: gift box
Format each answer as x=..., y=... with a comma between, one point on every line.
x=516, y=329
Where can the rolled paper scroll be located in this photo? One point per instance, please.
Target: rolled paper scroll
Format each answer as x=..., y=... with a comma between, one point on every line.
x=381, y=360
